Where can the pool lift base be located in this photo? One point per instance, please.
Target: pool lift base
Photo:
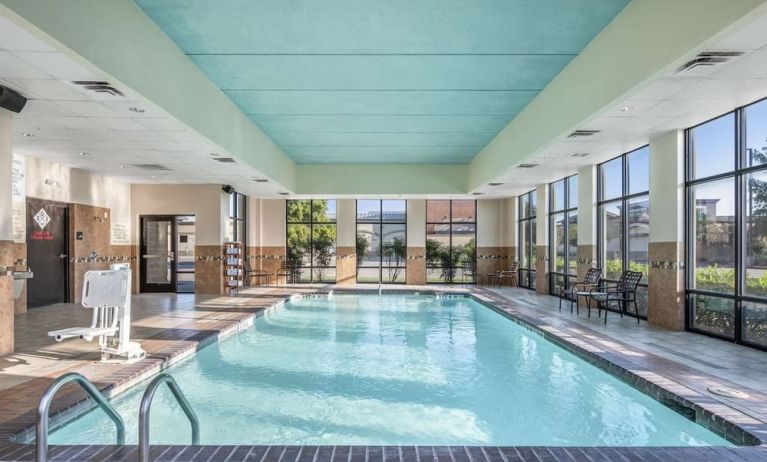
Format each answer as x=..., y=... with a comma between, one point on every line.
x=108, y=294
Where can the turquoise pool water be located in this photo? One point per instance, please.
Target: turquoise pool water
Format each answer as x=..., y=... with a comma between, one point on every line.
x=397, y=369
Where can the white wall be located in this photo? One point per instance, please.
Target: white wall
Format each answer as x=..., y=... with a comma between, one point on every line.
x=667, y=187
x=416, y=223
x=346, y=222
x=5, y=175
x=272, y=223
x=508, y=217
x=587, y=203
x=204, y=201
x=489, y=223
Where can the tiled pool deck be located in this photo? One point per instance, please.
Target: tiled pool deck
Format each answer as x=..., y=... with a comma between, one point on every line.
x=172, y=327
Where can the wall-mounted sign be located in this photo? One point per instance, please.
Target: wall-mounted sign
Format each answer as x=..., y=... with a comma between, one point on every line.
x=19, y=178
x=79, y=235
x=120, y=235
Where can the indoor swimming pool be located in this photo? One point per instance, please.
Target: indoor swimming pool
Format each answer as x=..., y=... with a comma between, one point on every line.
x=395, y=369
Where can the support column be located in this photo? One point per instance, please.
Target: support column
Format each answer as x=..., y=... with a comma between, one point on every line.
x=272, y=251
x=587, y=219
x=666, y=305
x=509, y=231
x=489, y=252
x=416, y=242
x=7, y=253
x=346, y=248
x=542, y=240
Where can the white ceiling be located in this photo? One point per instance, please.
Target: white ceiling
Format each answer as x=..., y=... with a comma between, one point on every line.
x=672, y=101
x=62, y=120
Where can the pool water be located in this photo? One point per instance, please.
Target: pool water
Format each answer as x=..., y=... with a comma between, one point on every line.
x=396, y=369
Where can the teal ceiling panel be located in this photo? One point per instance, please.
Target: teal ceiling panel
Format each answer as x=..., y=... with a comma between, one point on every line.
x=356, y=81
x=290, y=139
x=366, y=102
x=435, y=72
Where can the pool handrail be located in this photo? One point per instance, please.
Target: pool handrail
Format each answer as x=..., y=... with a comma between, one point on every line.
x=43, y=407
x=146, y=404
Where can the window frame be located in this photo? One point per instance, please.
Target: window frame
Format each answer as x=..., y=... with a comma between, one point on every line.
x=311, y=267
x=566, y=212
x=380, y=223
x=529, y=273
x=624, y=199
x=450, y=223
x=235, y=199
x=739, y=175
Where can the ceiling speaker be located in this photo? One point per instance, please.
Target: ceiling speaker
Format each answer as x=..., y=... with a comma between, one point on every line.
x=11, y=100
x=227, y=189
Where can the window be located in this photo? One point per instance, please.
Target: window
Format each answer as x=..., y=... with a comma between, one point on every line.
x=381, y=241
x=624, y=219
x=451, y=236
x=311, y=238
x=528, y=208
x=563, y=226
x=726, y=226
x=236, y=228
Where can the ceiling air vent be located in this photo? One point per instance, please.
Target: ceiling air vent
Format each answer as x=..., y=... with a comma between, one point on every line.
x=260, y=180
x=224, y=160
x=495, y=184
x=477, y=193
x=583, y=133
x=580, y=154
x=527, y=165
x=99, y=87
x=284, y=193
x=152, y=167
x=708, y=59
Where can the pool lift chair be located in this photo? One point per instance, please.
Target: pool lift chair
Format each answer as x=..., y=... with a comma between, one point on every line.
x=108, y=294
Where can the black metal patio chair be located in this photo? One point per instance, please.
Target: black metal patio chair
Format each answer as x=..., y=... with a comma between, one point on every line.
x=575, y=290
x=623, y=292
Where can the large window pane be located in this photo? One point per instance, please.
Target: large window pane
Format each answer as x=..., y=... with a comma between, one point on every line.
x=559, y=240
x=755, y=323
x=558, y=196
x=756, y=234
x=639, y=170
x=639, y=234
x=464, y=211
x=394, y=210
x=611, y=179
x=299, y=244
x=324, y=210
x=712, y=147
x=394, y=250
x=533, y=203
x=524, y=239
x=756, y=133
x=324, y=245
x=612, y=247
x=572, y=239
x=573, y=191
x=524, y=206
x=713, y=228
x=368, y=244
x=368, y=210
x=713, y=314
x=437, y=211
x=299, y=211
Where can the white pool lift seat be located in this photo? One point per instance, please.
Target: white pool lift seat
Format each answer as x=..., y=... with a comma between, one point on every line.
x=108, y=294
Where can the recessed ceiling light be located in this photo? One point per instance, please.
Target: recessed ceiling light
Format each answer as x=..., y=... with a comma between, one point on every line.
x=124, y=167
x=580, y=154
x=283, y=193
x=28, y=135
x=626, y=108
x=215, y=154
x=84, y=154
x=495, y=184
x=137, y=110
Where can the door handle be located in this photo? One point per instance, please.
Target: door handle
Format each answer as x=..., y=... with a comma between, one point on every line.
x=61, y=256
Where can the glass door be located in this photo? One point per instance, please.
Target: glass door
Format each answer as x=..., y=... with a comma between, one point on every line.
x=158, y=254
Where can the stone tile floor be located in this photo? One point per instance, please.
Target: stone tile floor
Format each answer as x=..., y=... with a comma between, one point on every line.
x=173, y=325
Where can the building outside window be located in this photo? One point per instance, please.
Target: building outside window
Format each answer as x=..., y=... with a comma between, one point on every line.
x=381, y=241
x=563, y=232
x=624, y=220
x=726, y=226
x=451, y=237
x=236, y=229
x=528, y=209
x=311, y=239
